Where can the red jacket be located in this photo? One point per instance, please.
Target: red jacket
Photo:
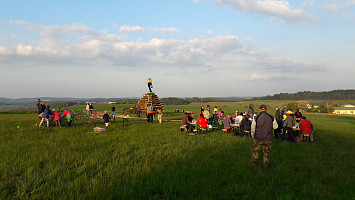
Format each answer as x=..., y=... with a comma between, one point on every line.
x=306, y=126
x=56, y=115
x=202, y=121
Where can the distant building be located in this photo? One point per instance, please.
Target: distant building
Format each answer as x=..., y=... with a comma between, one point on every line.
x=348, y=105
x=344, y=110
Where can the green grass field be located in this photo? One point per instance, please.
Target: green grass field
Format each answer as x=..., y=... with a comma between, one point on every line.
x=156, y=161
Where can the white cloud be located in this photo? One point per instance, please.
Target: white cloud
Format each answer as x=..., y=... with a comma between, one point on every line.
x=131, y=29
x=164, y=30
x=272, y=8
x=271, y=77
x=82, y=44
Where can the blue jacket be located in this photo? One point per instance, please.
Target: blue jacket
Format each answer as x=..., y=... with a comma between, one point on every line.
x=46, y=113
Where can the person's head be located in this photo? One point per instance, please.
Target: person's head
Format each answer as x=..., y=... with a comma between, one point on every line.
x=105, y=112
x=247, y=116
x=222, y=112
x=201, y=115
x=304, y=117
x=66, y=109
x=262, y=108
x=53, y=109
x=39, y=100
x=276, y=108
x=112, y=106
x=47, y=108
x=281, y=108
x=215, y=106
x=298, y=110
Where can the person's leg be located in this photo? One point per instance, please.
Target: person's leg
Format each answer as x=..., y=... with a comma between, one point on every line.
x=47, y=120
x=40, y=124
x=311, y=137
x=256, y=151
x=266, y=151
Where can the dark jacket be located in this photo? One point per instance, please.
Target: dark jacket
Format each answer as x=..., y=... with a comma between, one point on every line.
x=245, y=124
x=185, y=120
x=289, y=122
x=113, y=108
x=46, y=113
x=264, y=125
x=106, y=118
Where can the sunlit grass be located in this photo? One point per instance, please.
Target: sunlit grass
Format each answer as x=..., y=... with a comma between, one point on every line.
x=142, y=160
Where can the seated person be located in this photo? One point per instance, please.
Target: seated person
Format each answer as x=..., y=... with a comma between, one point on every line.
x=202, y=121
x=306, y=128
x=186, y=120
x=227, y=122
x=288, y=125
x=245, y=124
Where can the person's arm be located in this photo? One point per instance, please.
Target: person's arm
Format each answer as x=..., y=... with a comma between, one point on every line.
x=312, y=126
x=253, y=126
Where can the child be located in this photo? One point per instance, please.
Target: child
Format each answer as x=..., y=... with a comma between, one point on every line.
x=45, y=116
x=106, y=118
x=160, y=115
x=56, y=118
x=69, y=116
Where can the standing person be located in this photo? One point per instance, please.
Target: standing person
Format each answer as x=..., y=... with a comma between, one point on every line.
x=298, y=115
x=91, y=108
x=251, y=110
x=106, y=118
x=138, y=107
x=202, y=109
x=69, y=117
x=45, y=116
x=87, y=108
x=278, y=118
x=113, y=112
x=208, y=108
x=261, y=131
x=206, y=113
x=215, y=110
x=160, y=115
x=150, y=84
x=150, y=111
x=39, y=107
x=282, y=113
x=56, y=118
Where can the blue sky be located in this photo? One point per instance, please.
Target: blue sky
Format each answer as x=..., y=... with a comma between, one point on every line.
x=205, y=48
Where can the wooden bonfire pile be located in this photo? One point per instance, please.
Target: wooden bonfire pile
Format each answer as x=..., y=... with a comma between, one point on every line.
x=151, y=97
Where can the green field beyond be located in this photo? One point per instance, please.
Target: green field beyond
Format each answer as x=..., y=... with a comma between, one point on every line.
x=157, y=161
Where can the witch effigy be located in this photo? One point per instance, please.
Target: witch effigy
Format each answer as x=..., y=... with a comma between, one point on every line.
x=150, y=84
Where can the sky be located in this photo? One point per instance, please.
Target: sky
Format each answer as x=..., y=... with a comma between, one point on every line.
x=189, y=48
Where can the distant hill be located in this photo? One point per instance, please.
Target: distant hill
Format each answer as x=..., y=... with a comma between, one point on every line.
x=308, y=95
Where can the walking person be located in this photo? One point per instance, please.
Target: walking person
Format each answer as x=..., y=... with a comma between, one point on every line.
x=45, y=116
x=261, y=131
x=138, y=110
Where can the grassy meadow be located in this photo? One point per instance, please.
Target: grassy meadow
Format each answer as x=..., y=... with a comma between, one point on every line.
x=157, y=161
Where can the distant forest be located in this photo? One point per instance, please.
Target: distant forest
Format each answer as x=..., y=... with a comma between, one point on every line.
x=308, y=95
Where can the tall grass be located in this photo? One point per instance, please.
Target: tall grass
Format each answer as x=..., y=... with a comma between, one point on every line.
x=155, y=161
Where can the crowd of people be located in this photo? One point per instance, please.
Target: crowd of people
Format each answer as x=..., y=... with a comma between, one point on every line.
x=44, y=113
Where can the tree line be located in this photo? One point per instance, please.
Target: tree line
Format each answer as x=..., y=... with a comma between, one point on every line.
x=308, y=95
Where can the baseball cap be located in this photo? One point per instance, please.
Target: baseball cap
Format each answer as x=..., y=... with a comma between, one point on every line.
x=263, y=107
